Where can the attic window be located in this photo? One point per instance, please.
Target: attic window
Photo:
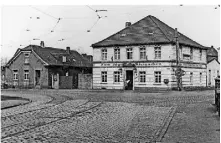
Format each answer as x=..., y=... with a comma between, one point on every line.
x=27, y=54
x=64, y=59
x=123, y=35
x=150, y=33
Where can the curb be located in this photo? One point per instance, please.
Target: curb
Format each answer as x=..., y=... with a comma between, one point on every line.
x=20, y=104
x=162, y=131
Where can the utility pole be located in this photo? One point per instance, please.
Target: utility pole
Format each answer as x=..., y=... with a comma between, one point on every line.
x=178, y=69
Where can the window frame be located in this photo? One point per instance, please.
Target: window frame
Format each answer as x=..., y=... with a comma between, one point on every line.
x=117, y=53
x=26, y=58
x=191, y=77
x=201, y=53
x=157, y=52
x=157, y=77
x=191, y=53
x=142, y=76
x=129, y=52
x=116, y=76
x=104, y=54
x=142, y=53
x=15, y=74
x=200, y=77
x=26, y=75
x=103, y=76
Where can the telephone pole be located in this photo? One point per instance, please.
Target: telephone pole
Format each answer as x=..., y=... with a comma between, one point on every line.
x=178, y=66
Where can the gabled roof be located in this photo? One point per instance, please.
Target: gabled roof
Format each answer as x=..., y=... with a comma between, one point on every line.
x=212, y=52
x=53, y=56
x=148, y=30
x=210, y=59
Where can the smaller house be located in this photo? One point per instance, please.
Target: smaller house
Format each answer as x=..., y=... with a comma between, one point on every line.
x=213, y=66
x=46, y=67
x=2, y=76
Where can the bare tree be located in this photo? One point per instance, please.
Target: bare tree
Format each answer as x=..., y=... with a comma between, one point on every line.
x=4, y=61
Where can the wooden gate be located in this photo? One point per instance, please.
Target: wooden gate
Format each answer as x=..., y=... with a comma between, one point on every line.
x=66, y=82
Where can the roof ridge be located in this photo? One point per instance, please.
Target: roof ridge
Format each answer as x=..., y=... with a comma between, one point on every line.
x=120, y=30
x=159, y=27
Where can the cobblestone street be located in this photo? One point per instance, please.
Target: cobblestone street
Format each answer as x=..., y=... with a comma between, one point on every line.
x=107, y=116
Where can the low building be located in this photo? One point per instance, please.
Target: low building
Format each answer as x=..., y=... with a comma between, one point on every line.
x=142, y=56
x=46, y=67
x=213, y=66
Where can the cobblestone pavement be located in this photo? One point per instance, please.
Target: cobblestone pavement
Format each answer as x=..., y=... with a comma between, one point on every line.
x=103, y=116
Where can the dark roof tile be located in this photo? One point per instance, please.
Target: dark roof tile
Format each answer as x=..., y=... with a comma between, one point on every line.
x=148, y=30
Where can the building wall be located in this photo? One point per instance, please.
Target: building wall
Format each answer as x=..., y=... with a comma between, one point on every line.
x=168, y=53
x=196, y=54
x=19, y=64
x=186, y=81
x=166, y=65
x=214, y=66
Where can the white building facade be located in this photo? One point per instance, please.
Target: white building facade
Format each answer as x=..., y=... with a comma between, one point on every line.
x=135, y=65
x=213, y=71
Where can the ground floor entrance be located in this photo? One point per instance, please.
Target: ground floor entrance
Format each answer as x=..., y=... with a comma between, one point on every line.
x=129, y=80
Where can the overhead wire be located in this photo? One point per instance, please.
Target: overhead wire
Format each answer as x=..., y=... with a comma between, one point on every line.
x=43, y=12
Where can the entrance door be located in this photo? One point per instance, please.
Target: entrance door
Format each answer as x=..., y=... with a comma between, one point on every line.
x=129, y=80
x=37, y=77
x=55, y=81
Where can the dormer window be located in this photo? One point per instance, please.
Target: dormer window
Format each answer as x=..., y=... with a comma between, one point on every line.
x=64, y=59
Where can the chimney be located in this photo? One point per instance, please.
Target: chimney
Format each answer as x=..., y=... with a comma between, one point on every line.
x=127, y=24
x=42, y=44
x=68, y=50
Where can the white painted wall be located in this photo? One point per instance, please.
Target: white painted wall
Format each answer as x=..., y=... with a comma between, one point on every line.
x=167, y=53
x=196, y=77
x=214, y=66
x=196, y=54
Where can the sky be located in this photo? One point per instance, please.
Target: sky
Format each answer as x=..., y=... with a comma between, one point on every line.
x=78, y=26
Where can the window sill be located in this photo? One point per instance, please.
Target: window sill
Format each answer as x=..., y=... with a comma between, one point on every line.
x=157, y=84
x=116, y=82
x=103, y=82
x=141, y=83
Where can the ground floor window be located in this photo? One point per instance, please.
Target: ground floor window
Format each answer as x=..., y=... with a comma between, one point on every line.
x=157, y=75
x=142, y=76
x=103, y=76
x=191, y=78
x=116, y=76
x=200, y=77
x=15, y=74
x=26, y=72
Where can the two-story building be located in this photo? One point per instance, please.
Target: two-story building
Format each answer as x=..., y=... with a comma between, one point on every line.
x=46, y=67
x=142, y=56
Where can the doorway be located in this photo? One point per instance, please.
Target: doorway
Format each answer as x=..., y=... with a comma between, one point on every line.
x=129, y=80
x=37, y=77
x=209, y=78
